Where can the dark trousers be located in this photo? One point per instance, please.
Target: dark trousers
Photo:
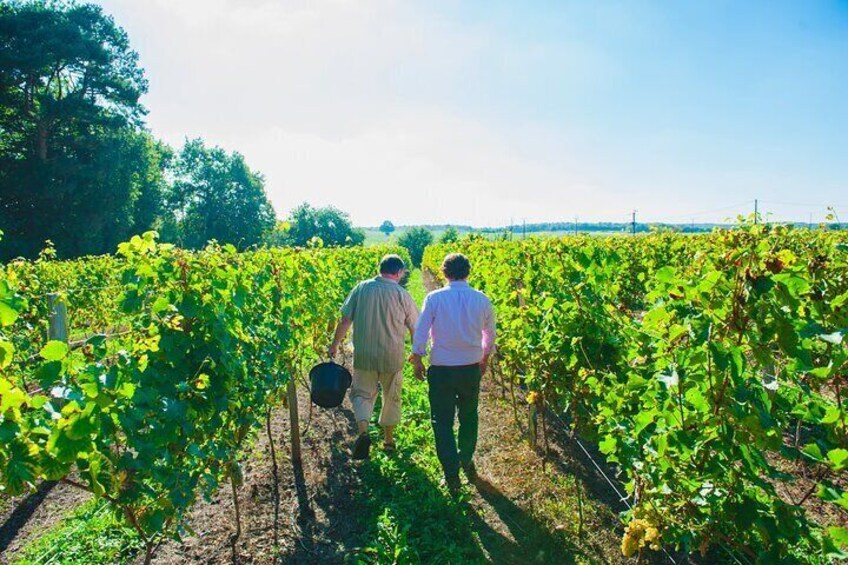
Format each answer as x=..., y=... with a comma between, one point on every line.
x=454, y=391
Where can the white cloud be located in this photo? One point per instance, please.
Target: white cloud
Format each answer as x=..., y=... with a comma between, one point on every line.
x=417, y=166
x=416, y=112
x=348, y=103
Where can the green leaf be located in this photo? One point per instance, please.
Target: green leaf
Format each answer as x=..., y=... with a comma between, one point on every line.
x=8, y=315
x=839, y=535
x=20, y=470
x=11, y=397
x=794, y=284
x=655, y=316
x=54, y=350
x=666, y=274
x=838, y=457
x=7, y=352
x=822, y=372
x=831, y=416
x=813, y=451
x=839, y=300
x=829, y=493
x=607, y=445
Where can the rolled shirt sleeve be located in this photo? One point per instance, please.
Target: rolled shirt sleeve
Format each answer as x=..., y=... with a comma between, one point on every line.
x=411, y=311
x=348, y=309
x=422, y=328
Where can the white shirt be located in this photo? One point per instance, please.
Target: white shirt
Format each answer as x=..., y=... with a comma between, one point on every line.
x=461, y=322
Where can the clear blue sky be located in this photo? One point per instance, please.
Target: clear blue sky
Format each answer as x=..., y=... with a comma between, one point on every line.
x=485, y=112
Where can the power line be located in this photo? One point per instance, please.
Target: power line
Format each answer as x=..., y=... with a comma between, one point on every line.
x=688, y=215
x=803, y=204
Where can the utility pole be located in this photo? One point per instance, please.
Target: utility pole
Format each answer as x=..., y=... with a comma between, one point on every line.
x=756, y=211
x=634, y=222
x=575, y=225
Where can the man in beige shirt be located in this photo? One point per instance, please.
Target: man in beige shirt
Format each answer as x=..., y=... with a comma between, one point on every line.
x=381, y=312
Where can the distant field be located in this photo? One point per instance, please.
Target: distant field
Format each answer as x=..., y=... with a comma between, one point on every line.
x=375, y=237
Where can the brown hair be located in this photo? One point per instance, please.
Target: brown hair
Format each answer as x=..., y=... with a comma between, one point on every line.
x=391, y=265
x=456, y=266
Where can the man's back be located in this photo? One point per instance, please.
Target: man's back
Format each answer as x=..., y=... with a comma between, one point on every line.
x=460, y=321
x=382, y=311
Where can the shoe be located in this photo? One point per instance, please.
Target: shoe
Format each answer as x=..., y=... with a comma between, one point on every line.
x=470, y=471
x=362, y=447
x=389, y=447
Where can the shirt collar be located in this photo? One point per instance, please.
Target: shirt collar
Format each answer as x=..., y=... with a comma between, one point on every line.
x=381, y=278
x=458, y=283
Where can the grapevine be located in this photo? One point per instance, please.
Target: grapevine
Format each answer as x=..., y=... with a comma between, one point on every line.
x=156, y=415
x=705, y=368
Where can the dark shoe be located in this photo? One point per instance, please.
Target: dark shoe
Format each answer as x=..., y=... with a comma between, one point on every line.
x=389, y=447
x=470, y=471
x=362, y=447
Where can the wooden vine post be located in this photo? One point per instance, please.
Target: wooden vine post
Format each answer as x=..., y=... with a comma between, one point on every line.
x=57, y=323
x=295, y=421
x=532, y=415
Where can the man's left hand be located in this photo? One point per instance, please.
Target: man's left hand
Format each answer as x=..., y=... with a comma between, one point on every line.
x=418, y=365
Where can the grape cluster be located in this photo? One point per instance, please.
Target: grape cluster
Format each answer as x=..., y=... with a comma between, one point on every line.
x=640, y=534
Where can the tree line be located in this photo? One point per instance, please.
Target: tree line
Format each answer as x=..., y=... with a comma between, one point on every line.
x=78, y=167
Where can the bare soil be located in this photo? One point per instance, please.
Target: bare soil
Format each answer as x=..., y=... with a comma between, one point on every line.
x=24, y=518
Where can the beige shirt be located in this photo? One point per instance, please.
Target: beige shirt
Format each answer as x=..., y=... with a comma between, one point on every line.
x=382, y=312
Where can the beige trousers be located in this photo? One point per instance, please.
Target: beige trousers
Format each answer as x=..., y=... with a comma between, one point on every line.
x=363, y=393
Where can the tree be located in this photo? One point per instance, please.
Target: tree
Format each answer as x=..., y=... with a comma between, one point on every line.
x=332, y=226
x=416, y=240
x=216, y=196
x=451, y=235
x=75, y=167
x=387, y=227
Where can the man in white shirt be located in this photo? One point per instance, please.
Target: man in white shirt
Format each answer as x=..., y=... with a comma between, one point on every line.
x=461, y=323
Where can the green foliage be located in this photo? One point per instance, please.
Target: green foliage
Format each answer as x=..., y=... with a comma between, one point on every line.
x=156, y=414
x=692, y=361
x=387, y=227
x=306, y=225
x=216, y=196
x=74, y=166
x=416, y=241
x=451, y=235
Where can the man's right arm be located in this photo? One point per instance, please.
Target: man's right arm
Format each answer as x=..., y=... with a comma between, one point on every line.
x=341, y=330
x=348, y=310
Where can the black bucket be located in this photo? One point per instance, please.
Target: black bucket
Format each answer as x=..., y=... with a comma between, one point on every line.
x=329, y=383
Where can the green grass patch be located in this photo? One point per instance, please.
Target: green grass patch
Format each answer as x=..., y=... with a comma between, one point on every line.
x=91, y=534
